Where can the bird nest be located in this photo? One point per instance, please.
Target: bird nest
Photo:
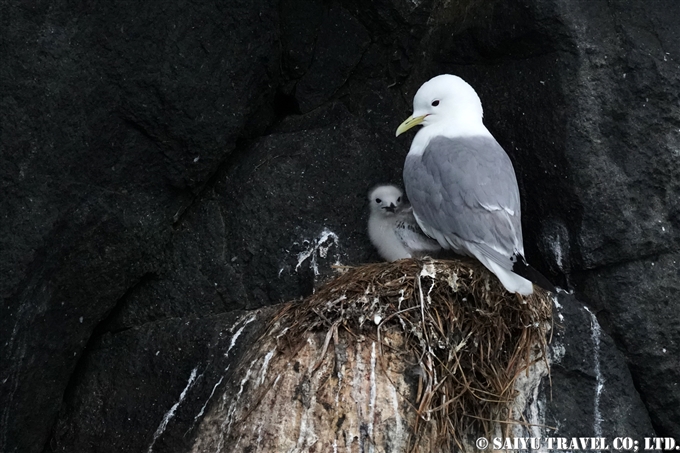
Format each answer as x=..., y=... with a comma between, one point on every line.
x=471, y=338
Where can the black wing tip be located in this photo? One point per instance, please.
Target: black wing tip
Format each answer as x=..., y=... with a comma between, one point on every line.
x=523, y=269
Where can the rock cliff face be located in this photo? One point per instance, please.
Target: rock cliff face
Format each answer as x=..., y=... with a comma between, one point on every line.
x=168, y=168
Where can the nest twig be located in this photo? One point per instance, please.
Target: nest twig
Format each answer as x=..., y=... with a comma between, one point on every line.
x=472, y=338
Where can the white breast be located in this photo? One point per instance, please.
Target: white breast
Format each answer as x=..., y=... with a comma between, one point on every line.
x=381, y=231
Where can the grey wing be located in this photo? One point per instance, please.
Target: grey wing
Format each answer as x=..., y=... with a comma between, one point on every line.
x=409, y=233
x=464, y=190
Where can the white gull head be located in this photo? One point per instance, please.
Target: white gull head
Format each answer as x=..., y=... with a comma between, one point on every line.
x=445, y=105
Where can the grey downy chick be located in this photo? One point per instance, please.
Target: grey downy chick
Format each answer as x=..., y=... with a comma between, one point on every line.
x=393, y=229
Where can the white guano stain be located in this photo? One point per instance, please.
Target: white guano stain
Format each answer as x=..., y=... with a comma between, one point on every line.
x=428, y=270
x=534, y=402
x=529, y=404
x=202, y=411
x=555, y=238
x=238, y=333
x=171, y=413
x=265, y=364
x=557, y=251
x=537, y=414
x=341, y=373
x=599, y=379
x=259, y=437
x=558, y=306
x=282, y=333
x=356, y=378
x=358, y=394
x=452, y=280
x=320, y=247
x=398, y=429
x=229, y=419
x=371, y=403
x=306, y=436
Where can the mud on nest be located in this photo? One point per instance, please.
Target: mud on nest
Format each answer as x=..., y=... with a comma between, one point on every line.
x=472, y=338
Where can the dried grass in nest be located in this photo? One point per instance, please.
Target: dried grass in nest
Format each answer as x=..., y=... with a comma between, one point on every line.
x=471, y=337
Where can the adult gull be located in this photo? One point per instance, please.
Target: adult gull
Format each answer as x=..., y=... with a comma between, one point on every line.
x=462, y=185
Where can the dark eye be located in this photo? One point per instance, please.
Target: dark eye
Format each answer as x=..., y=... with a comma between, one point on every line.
x=399, y=200
x=435, y=103
x=378, y=200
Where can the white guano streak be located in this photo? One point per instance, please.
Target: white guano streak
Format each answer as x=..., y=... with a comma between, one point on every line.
x=202, y=411
x=371, y=403
x=599, y=379
x=225, y=427
x=320, y=245
x=171, y=413
x=398, y=431
x=265, y=365
x=238, y=334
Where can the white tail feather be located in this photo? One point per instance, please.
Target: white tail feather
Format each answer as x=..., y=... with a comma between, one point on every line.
x=512, y=282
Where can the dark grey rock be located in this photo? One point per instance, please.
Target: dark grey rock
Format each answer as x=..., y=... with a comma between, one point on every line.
x=622, y=147
x=623, y=139
x=196, y=277
x=637, y=303
x=300, y=25
x=112, y=116
x=339, y=47
x=143, y=389
x=296, y=204
x=591, y=392
x=252, y=239
x=154, y=165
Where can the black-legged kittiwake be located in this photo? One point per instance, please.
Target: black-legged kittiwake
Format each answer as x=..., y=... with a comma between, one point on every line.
x=393, y=229
x=462, y=185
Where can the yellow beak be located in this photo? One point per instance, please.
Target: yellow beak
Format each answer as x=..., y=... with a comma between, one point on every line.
x=410, y=122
